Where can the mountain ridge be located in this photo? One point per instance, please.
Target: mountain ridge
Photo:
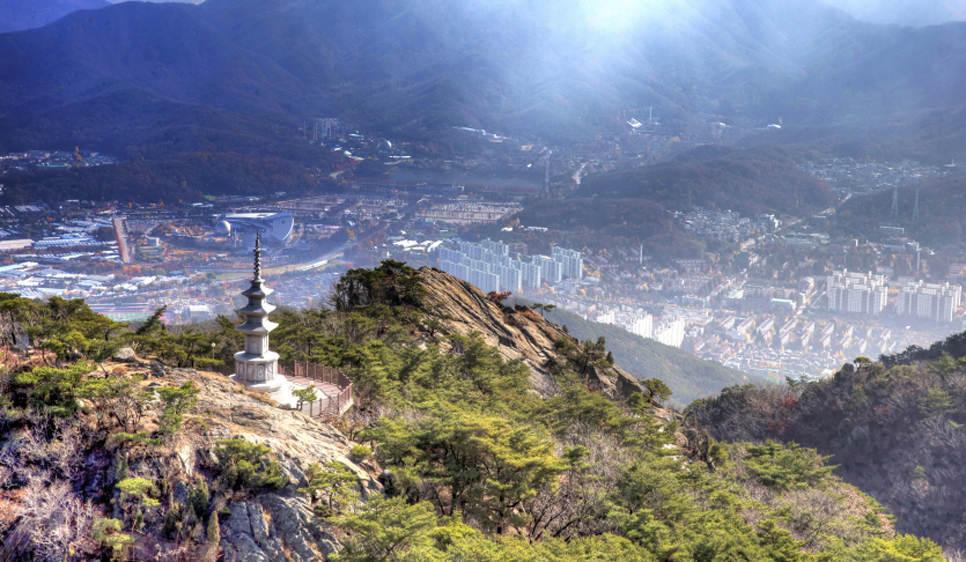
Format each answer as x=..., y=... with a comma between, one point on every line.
x=892, y=427
x=415, y=66
x=20, y=15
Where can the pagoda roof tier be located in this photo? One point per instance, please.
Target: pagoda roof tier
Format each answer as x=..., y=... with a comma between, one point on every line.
x=257, y=309
x=257, y=291
x=257, y=326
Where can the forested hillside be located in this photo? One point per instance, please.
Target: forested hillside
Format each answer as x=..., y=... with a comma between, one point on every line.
x=941, y=200
x=748, y=181
x=688, y=377
x=155, y=462
x=893, y=427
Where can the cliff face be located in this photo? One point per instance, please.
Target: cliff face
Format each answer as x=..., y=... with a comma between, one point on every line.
x=270, y=524
x=264, y=524
x=517, y=333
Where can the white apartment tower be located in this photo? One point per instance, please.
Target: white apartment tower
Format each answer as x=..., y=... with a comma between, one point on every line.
x=860, y=293
x=929, y=300
x=489, y=266
x=573, y=263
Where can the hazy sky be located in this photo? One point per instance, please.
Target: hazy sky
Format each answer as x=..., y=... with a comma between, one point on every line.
x=908, y=12
x=187, y=1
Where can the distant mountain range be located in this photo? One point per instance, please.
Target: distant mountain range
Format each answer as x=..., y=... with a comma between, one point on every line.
x=16, y=15
x=904, y=12
x=151, y=80
x=174, y=81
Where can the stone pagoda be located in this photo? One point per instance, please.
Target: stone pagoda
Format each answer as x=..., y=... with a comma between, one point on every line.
x=257, y=367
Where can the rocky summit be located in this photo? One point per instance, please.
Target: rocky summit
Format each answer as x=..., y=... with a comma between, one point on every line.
x=517, y=332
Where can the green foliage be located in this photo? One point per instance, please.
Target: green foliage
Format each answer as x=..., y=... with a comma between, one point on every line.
x=656, y=389
x=199, y=497
x=305, y=396
x=918, y=473
x=138, y=487
x=69, y=329
x=331, y=488
x=480, y=465
x=388, y=530
x=133, y=439
x=177, y=401
x=542, y=308
x=582, y=358
x=578, y=407
x=682, y=514
x=187, y=347
x=392, y=530
x=119, y=398
x=108, y=533
x=47, y=388
x=936, y=402
x=780, y=543
x=360, y=452
x=214, y=530
x=174, y=520
x=786, y=467
x=135, y=495
x=392, y=284
x=248, y=466
x=903, y=548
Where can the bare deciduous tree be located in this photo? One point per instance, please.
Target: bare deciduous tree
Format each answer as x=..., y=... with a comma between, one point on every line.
x=50, y=445
x=54, y=522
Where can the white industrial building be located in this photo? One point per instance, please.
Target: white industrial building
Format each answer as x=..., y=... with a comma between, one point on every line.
x=241, y=228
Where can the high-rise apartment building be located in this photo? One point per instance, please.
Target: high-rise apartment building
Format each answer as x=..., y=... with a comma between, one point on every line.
x=861, y=293
x=573, y=263
x=552, y=271
x=670, y=333
x=489, y=266
x=641, y=325
x=929, y=300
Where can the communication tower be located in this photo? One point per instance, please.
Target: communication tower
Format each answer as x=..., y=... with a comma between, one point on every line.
x=915, y=210
x=894, y=215
x=546, y=173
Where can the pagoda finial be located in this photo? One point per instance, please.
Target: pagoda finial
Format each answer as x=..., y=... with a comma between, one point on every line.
x=258, y=255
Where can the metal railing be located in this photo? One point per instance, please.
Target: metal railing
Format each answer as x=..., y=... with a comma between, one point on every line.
x=328, y=405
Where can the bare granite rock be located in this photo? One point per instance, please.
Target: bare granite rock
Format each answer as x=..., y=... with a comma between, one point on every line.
x=273, y=527
x=516, y=334
x=269, y=526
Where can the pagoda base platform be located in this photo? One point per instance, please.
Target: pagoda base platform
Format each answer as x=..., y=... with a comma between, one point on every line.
x=278, y=389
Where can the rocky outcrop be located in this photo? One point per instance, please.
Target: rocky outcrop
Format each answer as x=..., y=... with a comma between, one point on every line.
x=253, y=525
x=273, y=525
x=516, y=333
